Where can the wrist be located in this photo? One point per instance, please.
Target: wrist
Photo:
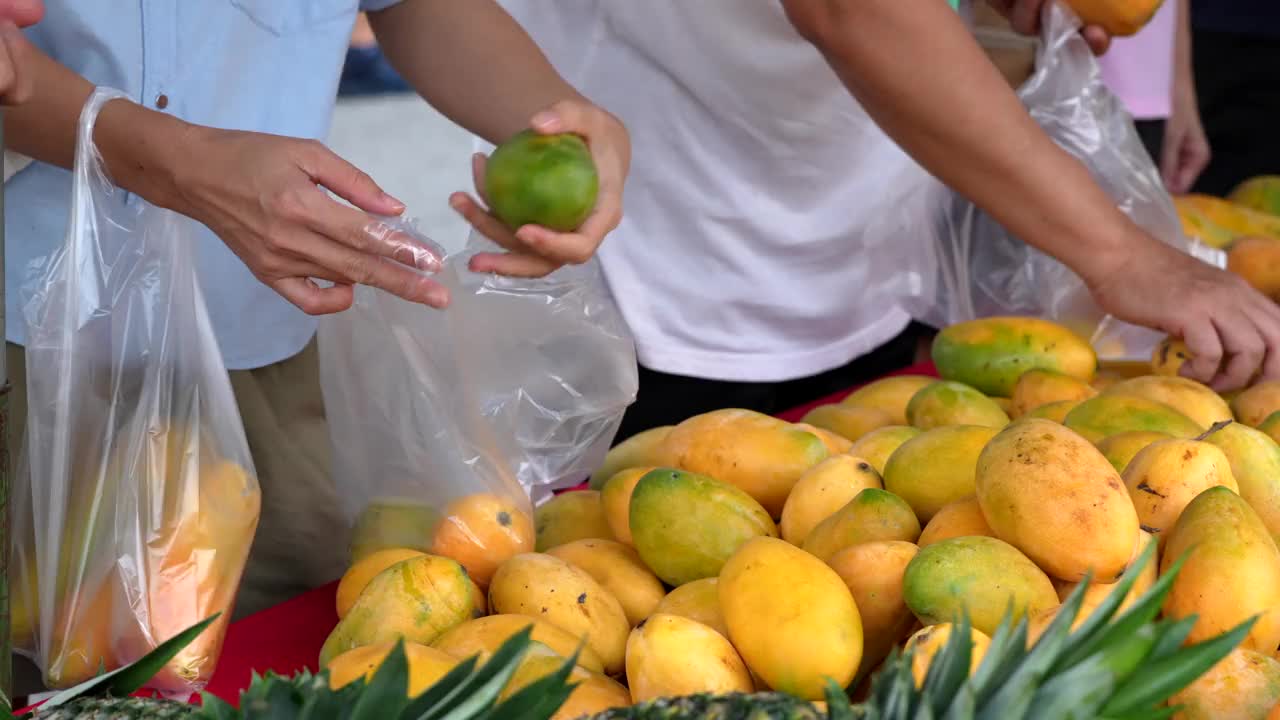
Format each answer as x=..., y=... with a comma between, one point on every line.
x=140, y=151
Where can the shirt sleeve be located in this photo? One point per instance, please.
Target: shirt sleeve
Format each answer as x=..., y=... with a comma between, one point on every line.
x=376, y=5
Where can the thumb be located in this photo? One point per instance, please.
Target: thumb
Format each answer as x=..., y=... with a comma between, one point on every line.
x=351, y=183
x=22, y=12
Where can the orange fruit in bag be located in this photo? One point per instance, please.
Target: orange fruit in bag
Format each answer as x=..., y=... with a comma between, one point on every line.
x=481, y=532
x=82, y=636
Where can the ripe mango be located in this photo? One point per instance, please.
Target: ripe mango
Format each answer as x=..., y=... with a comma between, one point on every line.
x=848, y=421
x=1097, y=592
x=1255, y=464
x=928, y=641
x=890, y=394
x=685, y=525
x=873, y=514
x=1234, y=217
x=1120, y=449
x=1167, y=475
x=359, y=574
x=673, y=656
x=1169, y=357
x=791, y=618
x=1261, y=193
x=1271, y=426
x=1119, y=19
x=1055, y=411
x=985, y=576
x=1039, y=387
x=962, y=518
x=389, y=523
x=698, y=600
x=937, y=468
x=1256, y=258
x=836, y=444
x=873, y=573
x=547, y=587
x=822, y=491
x=619, y=570
x=570, y=516
x=417, y=599
x=482, y=637
x=1098, y=418
x=1202, y=405
x=759, y=454
x=593, y=693
x=1255, y=403
x=990, y=354
x=426, y=665
x=1244, y=685
x=951, y=403
x=482, y=531
x=1052, y=495
x=645, y=449
x=1232, y=573
x=876, y=446
x=615, y=498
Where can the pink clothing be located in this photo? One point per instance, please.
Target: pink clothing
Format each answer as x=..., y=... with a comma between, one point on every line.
x=1139, y=69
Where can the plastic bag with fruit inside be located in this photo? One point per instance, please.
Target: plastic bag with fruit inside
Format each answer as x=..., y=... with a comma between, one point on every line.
x=446, y=422
x=136, y=499
x=983, y=270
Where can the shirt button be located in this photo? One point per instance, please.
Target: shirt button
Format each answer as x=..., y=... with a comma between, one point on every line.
x=162, y=101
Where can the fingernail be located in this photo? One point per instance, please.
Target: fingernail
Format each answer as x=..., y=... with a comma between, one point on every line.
x=543, y=119
x=456, y=203
x=399, y=206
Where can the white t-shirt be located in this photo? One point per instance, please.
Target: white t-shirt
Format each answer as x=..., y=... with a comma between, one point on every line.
x=744, y=252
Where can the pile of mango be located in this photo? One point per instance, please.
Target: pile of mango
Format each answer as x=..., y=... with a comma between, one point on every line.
x=1246, y=225
x=737, y=551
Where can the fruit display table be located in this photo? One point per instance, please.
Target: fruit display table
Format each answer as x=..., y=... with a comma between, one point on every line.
x=288, y=637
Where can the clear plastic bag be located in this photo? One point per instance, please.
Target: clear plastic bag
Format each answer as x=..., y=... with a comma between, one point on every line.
x=444, y=423
x=983, y=270
x=136, y=499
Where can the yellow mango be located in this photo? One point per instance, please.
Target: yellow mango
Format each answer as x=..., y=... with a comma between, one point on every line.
x=1236, y=218
x=836, y=443
x=547, y=587
x=1052, y=495
x=872, y=515
x=594, y=693
x=673, y=656
x=927, y=642
x=1271, y=426
x=1167, y=475
x=1231, y=574
x=1260, y=193
x=1255, y=464
x=644, y=449
x=822, y=491
x=962, y=518
x=417, y=599
x=1106, y=377
x=1169, y=357
x=1255, y=403
x=876, y=446
x=937, y=468
x=426, y=665
x=1038, y=387
x=1055, y=411
x=1256, y=259
x=1039, y=622
x=984, y=576
x=1120, y=449
x=990, y=354
x=1244, y=685
x=873, y=573
x=951, y=403
x=698, y=600
x=615, y=498
x=358, y=575
x=761, y=455
x=685, y=525
x=389, y=523
x=619, y=570
x=569, y=516
x=1202, y=405
x=848, y=421
x=1097, y=592
x=791, y=618
x=482, y=637
x=1101, y=417
x=890, y=394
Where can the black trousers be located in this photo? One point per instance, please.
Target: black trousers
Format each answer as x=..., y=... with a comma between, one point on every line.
x=665, y=399
x=1151, y=132
x=1238, y=85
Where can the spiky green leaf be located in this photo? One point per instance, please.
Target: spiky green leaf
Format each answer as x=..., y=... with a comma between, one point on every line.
x=386, y=694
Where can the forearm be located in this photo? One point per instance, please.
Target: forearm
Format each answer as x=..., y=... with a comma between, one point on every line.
x=135, y=142
x=472, y=62
x=1183, y=75
x=917, y=71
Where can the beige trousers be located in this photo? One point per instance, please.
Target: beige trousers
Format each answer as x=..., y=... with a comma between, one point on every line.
x=302, y=536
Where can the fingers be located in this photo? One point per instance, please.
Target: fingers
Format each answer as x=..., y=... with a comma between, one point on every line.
x=479, y=162
x=512, y=265
x=359, y=232
x=1267, y=320
x=1099, y=40
x=1206, y=351
x=22, y=12
x=484, y=223
x=347, y=181
x=15, y=85
x=1169, y=160
x=312, y=299
x=1024, y=16
x=1244, y=349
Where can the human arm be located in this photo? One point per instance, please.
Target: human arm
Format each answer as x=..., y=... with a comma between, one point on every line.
x=1186, y=148
x=477, y=66
x=950, y=109
x=15, y=80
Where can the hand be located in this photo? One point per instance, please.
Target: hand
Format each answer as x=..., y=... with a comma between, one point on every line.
x=535, y=251
x=1186, y=148
x=262, y=194
x=15, y=85
x=1024, y=16
x=1231, y=330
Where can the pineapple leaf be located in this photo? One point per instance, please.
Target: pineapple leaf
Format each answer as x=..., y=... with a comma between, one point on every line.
x=1157, y=681
x=1007, y=651
x=443, y=690
x=386, y=694
x=478, y=692
x=1013, y=698
x=126, y=680
x=949, y=669
x=213, y=707
x=322, y=702
x=1174, y=637
x=538, y=700
x=838, y=706
x=1080, y=690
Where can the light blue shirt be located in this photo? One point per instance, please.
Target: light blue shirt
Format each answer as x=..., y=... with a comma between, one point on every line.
x=264, y=65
